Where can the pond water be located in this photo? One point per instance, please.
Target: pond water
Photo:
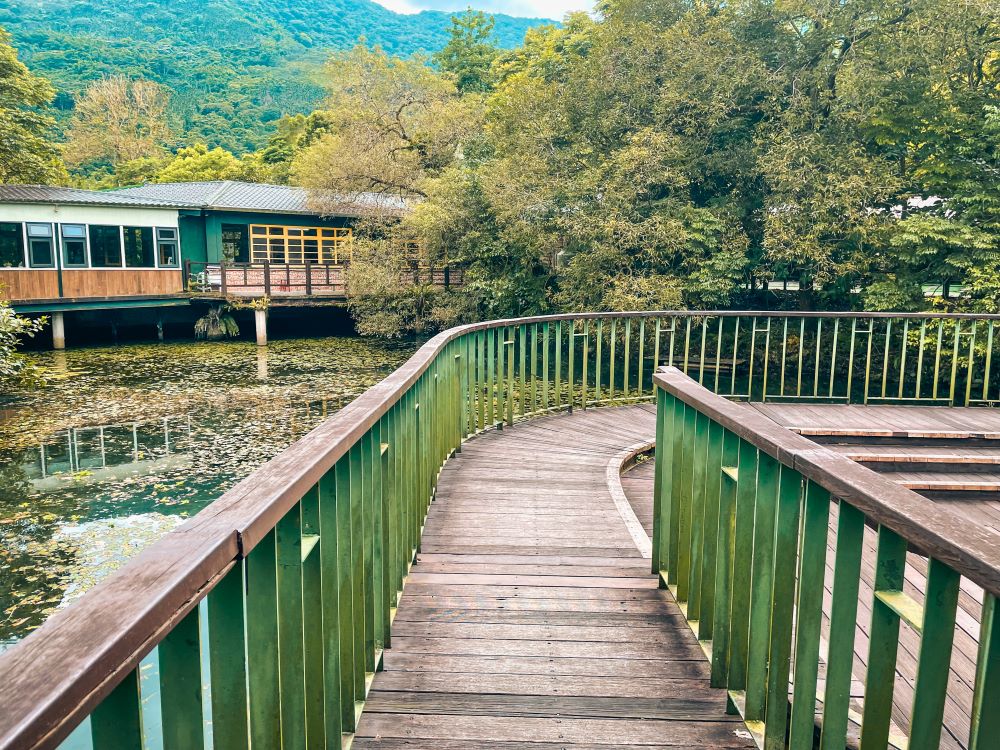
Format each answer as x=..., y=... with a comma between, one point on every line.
x=126, y=442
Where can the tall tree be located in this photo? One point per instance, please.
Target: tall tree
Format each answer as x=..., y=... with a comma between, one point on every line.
x=393, y=125
x=27, y=151
x=118, y=119
x=470, y=51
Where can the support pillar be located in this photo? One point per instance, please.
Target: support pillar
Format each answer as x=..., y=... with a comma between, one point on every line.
x=159, y=329
x=58, y=331
x=260, y=319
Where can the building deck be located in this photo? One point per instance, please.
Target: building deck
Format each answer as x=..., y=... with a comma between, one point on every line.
x=530, y=618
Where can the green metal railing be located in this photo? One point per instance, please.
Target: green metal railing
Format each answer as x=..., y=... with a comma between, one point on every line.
x=278, y=597
x=743, y=511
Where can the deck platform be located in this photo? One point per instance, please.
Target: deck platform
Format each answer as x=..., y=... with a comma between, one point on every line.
x=530, y=618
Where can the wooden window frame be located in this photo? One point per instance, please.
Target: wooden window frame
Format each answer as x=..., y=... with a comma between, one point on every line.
x=332, y=244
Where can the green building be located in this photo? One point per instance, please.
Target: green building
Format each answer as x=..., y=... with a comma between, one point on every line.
x=249, y=223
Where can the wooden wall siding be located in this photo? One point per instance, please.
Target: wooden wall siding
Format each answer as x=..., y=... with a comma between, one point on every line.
x=26, y=284
x=117, y=283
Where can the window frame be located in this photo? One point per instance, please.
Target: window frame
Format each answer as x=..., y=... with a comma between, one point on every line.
x=175, y=241
x=321, y=245
x=29, y=240
x=23, y=241
x=121, y=248
x=152, y=238
x=64, y=263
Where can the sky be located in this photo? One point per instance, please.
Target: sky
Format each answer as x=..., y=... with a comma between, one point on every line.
x=554, y=9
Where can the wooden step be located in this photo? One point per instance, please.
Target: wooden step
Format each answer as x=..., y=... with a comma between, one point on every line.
x=969, y=481
x=919, y=454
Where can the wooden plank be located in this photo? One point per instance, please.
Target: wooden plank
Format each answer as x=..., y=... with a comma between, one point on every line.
x=721, y=733
x=529, y=602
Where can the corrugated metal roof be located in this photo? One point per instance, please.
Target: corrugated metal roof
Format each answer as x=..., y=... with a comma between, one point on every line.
x=251, y=196
x=52, y=194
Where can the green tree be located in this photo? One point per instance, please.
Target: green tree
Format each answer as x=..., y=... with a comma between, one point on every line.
x=118, y=119
x=470, y=51
x=394, y=124
x=16, y=371
x=27, y=151
x=198, y=163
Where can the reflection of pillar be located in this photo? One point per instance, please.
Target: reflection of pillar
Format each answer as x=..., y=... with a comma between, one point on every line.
x=59, y=362
x=58, y=331
x=262, y=364
x=260, y=319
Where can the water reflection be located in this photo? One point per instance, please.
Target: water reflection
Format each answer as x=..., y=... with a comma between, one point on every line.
x=262, y=363
x=126, y=442
x=109, y=452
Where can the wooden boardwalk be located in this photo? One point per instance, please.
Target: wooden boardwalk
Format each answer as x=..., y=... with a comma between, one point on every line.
x=530, y=620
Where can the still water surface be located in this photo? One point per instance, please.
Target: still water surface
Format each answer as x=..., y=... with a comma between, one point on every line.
x=126, y=442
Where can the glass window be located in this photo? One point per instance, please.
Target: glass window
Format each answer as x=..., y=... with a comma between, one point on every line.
x=235, y=245
x=105, y=246
x=139, y=251
x=40, y=250
x=11, y=245
x=166, y=247
x=74, y=245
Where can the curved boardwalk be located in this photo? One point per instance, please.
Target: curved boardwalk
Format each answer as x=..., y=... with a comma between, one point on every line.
x=530, y=621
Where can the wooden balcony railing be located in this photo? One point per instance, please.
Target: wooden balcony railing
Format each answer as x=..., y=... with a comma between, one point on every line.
x=279, y=595
x=306, y=279
x=742, y=515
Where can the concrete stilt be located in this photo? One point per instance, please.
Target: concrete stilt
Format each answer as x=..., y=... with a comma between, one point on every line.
x=58, y=331
x=260, y=319
x=159, y=330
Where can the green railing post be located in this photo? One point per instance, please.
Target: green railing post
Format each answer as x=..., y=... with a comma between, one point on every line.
x=809, y=615
x=180, y=685
x=227, y=663
x=312, y=624
x=291, y=649
x=985, y=724
x=116, y=723
x=843, y=621
x=262, y=644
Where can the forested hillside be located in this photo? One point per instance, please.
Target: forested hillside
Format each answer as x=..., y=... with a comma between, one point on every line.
x=232, y=67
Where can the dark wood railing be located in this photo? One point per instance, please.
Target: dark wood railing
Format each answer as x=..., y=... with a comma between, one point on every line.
x=279, y=595
x=308, y=279
x=742, y=515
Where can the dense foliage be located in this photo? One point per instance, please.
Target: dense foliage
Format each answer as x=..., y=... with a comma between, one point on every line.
x=16, y=370
x=27, y=153
x=664, y=153
x=675, y=153
x=232, y=68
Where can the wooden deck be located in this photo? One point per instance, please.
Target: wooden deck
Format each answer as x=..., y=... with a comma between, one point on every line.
x=530, y=619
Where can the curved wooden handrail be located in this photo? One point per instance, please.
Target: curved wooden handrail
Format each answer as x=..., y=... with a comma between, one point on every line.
x=53, y=678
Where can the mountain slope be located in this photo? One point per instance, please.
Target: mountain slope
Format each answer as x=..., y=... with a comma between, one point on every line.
x=232, y=67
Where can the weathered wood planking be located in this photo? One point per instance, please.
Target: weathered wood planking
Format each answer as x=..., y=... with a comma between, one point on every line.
x=881, y=421
x=530, y=618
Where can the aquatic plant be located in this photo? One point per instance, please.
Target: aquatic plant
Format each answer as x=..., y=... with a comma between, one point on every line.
x=216, y=324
